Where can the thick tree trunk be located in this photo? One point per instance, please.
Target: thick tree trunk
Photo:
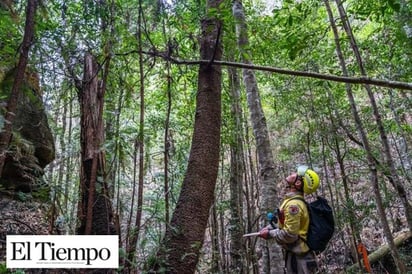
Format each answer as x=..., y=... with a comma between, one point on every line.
x=272, y=255
x=185, y=235
x=94, y=210
x=6, y=131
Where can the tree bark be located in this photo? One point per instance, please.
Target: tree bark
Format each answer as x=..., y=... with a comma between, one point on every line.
x=185, y=235
x=216, y=259
x=237, y=172
x=168, y=138
x=69, y=203
x=272, y=255
x=94, y=210
x=6, y=132
x=252, y=190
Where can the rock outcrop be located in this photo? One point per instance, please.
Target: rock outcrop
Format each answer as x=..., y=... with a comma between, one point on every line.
x=32, y=144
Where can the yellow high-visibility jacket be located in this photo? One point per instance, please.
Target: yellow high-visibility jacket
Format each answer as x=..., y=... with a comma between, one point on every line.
x=293, y=223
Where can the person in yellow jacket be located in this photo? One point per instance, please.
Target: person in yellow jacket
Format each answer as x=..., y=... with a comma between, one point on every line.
x=293, y=223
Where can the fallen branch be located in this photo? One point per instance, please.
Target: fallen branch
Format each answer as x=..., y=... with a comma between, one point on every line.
x=384, y=250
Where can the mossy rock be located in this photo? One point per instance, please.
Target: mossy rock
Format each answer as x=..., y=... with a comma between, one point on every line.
x=32, y=145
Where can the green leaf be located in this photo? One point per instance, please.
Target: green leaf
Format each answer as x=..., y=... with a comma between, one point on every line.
x=290, y=20
x=395, y=5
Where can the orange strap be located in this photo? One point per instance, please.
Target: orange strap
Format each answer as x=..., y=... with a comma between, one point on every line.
x=362, y=250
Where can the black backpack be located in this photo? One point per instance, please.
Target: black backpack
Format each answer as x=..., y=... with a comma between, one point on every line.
x=321, y=224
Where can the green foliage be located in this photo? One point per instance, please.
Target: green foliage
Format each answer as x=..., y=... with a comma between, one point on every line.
x=5, y=270
x=375, y=10
x=306, y=118
x=10, y=39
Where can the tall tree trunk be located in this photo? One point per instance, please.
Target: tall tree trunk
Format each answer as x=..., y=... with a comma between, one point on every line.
x=6, y=131
x=367, y=149
x=60, y=173
x=237, y=172
x=223, y=264
x=168, y=145
x=94, y=210
x=251, y=203
x=395, y=180
x=185, y=234
x=135, y=233
x=130, y=230
x=168, y=140
x=114, y=177
x=272, y=255
x=69, y=200
x=95, y=204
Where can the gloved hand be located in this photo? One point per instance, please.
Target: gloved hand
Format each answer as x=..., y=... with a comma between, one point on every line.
x=264, y=233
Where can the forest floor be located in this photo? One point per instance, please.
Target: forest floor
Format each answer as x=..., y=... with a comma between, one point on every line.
x=21, y=215
x=386, y=264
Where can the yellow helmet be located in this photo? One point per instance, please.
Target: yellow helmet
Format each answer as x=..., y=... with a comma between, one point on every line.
x=310, y=179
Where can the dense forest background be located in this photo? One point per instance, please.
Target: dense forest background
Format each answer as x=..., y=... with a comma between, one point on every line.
x=176, y=122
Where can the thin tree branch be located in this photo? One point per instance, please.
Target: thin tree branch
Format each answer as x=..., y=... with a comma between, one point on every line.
x=335, y=78
x=216, y=45
x=328, y=77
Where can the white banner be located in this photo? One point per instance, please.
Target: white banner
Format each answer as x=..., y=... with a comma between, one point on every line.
x=62, y=251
